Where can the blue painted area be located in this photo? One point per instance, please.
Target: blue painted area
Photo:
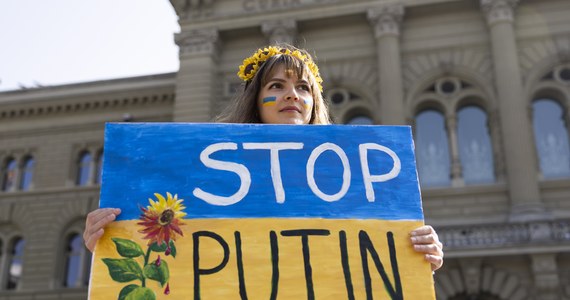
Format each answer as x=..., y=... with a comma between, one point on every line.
x=146, y=158
x=267, y=100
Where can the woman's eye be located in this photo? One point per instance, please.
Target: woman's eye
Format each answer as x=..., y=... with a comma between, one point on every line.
x=275, y=85
x=305, y=88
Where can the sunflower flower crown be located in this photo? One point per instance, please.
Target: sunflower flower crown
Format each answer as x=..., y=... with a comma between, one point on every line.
x=252, y=64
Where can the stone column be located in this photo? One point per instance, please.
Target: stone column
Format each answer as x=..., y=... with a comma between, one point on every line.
x=456, y=171
x=197, y=83
x=386, y=20
x=280, y=31
x=516, y=128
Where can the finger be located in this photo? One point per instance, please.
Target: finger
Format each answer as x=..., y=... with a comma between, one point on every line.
x=103, y=221
x=435, y=261
x=91, y=241
x=94, y=216
x=429, y=249
x=424, y=239
x=424, y=230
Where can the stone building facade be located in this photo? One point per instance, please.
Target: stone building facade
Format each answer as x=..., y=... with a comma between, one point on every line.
x=485, y=83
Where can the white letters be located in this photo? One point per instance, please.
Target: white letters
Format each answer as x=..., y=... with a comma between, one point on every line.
x=274, y=148
x=366, y=177
x=275, y=165
x=239, y=169
x=311, y=171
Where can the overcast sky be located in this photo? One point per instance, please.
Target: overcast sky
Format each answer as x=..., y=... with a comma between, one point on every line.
x=53, y=42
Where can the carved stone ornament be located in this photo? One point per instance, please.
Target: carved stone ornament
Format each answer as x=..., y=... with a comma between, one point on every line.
x=280, y=31
x=499, y=10
x=192, y=9
x=386, y=19
x=199, y=41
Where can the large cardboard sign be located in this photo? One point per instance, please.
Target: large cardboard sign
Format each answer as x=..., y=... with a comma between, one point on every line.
x=225, y=211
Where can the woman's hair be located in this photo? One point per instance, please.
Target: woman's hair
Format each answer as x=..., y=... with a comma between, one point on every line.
x=243, y=107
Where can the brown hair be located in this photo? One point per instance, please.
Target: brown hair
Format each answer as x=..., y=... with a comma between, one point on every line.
x=243, y=107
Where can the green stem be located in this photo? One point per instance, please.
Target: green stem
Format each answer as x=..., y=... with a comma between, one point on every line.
x=146, y=257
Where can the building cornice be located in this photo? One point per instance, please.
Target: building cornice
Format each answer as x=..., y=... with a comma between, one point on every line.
x=88, y=88
x=91, y=96
x=298, y=10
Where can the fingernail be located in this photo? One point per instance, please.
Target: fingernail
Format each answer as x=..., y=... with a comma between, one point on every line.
x=414, y=239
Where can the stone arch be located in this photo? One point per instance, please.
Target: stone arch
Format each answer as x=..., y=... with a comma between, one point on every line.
x=466, y=63
x=536, y=57
x=494, y=283
x=356, y=76
x=355, y=109
x=479, y=87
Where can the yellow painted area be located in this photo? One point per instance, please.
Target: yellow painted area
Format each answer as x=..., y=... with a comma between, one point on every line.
x=325, y=259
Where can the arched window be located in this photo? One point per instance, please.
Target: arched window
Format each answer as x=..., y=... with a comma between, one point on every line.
x=27, y=174
x=432, y=149
x=83, y=169
x=475, y=150
x=360, y=120
x=9, y=174
x=99, y=167
x=16, y=259
x=551, y=137
x=76, y=262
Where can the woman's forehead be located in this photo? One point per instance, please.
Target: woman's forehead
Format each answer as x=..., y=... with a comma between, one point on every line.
x=280, y=70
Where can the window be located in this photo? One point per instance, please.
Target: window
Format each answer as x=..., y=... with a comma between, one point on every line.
x=84, y=169
x=76, y=262
x=15, y=265
x=551, y=138
x=475, y=151
x=360, y=120
x=432, y=149
x=99, y=168
x=9, y=174
x=27, y=174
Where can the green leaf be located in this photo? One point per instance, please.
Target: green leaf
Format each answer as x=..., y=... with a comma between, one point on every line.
x=128, y=248
x=141, y=293
x=126, y=290
x=172, y=249
x=157, y=273
x=162, y=248
x=158, y=248
x=123, y=269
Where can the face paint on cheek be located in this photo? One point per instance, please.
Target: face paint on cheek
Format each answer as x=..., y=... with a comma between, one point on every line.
x=269, y=101
x=307, y=103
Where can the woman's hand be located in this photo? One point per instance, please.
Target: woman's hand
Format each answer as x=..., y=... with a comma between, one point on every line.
x=425, y=240
x=94, y=224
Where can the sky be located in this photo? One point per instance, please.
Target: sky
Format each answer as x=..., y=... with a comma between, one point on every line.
x=55, y=42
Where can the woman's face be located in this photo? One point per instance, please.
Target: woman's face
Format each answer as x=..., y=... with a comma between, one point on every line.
x=285, y=99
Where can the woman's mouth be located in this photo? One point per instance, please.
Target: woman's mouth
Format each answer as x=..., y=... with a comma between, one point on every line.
x=290, y=108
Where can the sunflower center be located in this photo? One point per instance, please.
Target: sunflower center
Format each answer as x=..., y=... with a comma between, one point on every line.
x=166, y=217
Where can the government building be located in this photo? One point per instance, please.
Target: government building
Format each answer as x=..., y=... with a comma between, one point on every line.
x=485, y=85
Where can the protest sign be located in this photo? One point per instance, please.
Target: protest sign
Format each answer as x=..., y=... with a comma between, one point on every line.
x=250, y=211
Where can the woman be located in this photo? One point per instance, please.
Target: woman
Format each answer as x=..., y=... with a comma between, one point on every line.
x=282, y=86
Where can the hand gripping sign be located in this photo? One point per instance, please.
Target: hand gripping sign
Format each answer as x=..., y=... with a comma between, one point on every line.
x=239, y=211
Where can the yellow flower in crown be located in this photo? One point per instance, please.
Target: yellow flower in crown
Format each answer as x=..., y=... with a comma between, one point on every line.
x=251, y=65
x=161, y=220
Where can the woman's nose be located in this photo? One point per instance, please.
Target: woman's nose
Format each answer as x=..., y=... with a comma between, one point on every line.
x=292, y=95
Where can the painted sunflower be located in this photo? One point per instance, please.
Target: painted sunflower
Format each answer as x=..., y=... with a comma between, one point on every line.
x=162, y=219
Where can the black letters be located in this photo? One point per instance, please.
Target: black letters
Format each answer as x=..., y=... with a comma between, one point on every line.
x=345, y=264
x=304, y=234
x=365, y=247
x=196, y=258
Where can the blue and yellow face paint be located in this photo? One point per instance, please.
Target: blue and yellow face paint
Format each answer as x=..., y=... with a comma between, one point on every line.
x=269, y=101
x=269, y=212
x=307, y=103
